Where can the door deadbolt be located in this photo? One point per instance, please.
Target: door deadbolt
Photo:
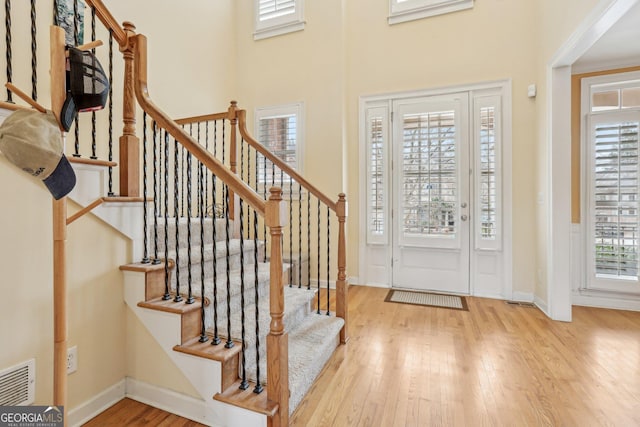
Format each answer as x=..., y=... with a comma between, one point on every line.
x=463, y=217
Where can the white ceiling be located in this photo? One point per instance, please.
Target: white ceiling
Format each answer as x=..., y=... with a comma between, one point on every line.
x=618, y=47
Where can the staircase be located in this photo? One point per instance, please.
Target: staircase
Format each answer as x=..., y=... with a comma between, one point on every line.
x=313, y=337
x=239, y=298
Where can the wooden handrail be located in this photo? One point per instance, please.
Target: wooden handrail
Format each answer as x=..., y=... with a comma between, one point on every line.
x=109, y=21
x=242, y=126
x=203, y=118
x=214, y=165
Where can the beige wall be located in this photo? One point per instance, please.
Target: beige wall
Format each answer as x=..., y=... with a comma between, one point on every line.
x=348, y=50
x=557, y=21
x=192, y=61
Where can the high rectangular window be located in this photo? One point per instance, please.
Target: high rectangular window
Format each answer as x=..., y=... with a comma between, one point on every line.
x=279, y=129
x=276, y=17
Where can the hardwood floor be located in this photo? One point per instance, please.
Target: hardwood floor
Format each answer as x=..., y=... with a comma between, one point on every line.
x=496, y=364
x=129, y=412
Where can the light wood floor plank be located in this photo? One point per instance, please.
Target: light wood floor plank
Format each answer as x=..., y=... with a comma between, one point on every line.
x=496, y=364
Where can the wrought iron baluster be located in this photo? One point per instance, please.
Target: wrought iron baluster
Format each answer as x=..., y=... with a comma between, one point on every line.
x=244, y=384
x=229, y=343
x=190, y=299
x=206, y=175
x=203, y=331
x=156, y=186
x=183, y=182
x=309, y=239
x=318, y=284
x=200, y=190
x=76, y=42
x=110, y=190
x=34, y=56
x=216, y=337
x=225, y=199
x=9, y=60
x=176, y=209
x=291, y=272
x=56, y=18
x=328, y=253
x=300, y=235
x=264, y=190
x=93, y=84
x=258, y=388
x=167, y=293
x=145, y=258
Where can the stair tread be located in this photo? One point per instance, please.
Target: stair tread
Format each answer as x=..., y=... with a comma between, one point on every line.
x=170, y=306
x=247, y=399
x=204, y=349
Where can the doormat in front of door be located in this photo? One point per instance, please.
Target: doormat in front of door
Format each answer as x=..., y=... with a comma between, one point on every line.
x=427, y=299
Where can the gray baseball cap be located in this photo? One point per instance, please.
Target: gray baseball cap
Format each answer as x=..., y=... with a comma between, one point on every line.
x=33, y=142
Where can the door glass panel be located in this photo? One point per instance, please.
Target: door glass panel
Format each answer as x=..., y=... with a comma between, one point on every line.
x=376, y=177
x=429, y=174
x=616, y=199
x=488, y=193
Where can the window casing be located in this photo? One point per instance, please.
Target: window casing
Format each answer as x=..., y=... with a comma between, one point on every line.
x=410, y=10
x=276, y=17
x=280, y=130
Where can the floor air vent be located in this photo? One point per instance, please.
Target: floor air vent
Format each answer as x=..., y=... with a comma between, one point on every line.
x=18, y=384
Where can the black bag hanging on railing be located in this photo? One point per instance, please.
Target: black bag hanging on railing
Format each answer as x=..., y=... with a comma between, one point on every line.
x=87, y=86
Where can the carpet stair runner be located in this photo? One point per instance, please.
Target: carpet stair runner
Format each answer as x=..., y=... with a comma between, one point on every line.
x=312, y=337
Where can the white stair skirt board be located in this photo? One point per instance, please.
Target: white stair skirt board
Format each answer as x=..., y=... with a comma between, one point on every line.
x=127, y=218
x=204, y=374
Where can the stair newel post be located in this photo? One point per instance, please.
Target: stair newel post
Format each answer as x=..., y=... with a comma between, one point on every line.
x=129, y=142
x=60, y=329
x=233, y=152
x=342, y=286
x=278, y=339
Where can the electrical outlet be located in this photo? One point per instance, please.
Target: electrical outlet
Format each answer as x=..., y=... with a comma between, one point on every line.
x=72, y=359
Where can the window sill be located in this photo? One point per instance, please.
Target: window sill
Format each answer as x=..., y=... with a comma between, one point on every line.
x=428, y=11
x=279, y=30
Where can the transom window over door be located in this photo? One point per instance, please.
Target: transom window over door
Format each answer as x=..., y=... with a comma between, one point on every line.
x=613, y=167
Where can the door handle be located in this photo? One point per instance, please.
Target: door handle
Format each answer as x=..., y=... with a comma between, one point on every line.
x=463, y=205
x=463, y=217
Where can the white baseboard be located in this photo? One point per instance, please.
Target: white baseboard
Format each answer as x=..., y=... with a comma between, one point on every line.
x=176, y=403
x=372, y=285
x=149, y=394
x=522, y=296
x=606, y=301
x=97, y=404
x=542, y=305
x=354, y=280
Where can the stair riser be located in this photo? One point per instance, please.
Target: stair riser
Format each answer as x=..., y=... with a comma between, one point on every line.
x=221, y=269
x=183, y=233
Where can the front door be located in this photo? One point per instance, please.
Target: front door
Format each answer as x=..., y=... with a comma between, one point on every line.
x=430, y=193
